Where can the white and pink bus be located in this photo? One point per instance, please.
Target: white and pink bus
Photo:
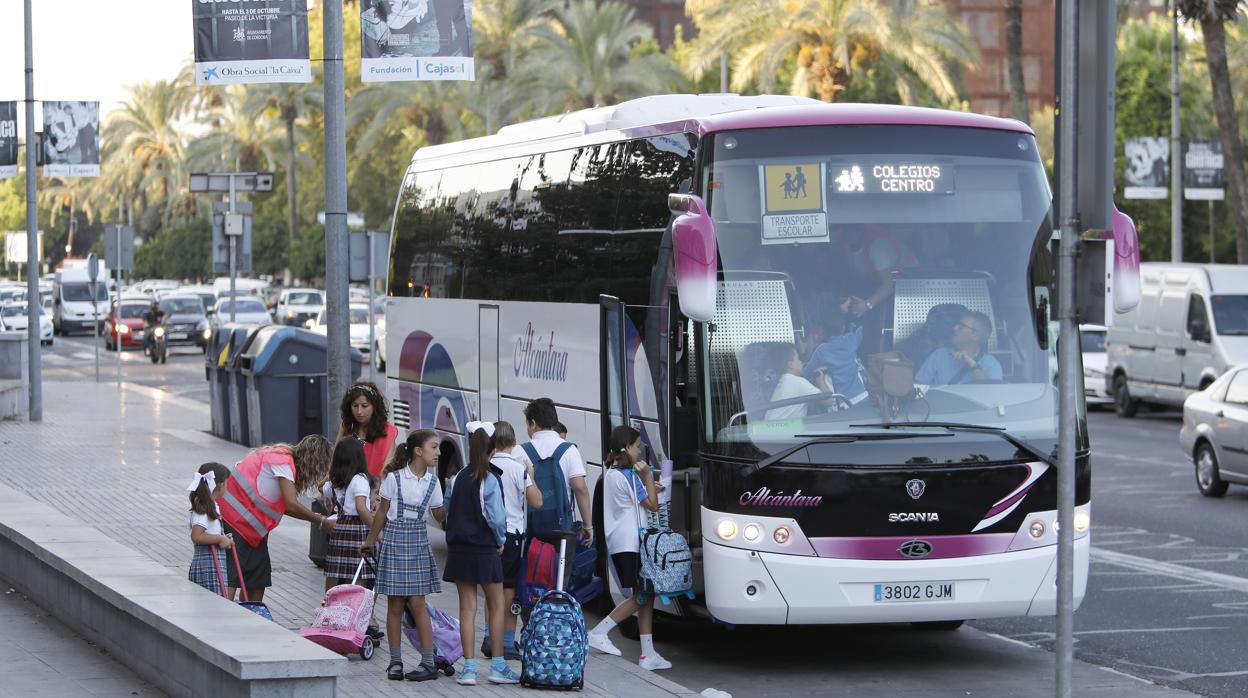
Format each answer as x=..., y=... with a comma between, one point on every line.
x=685, y=264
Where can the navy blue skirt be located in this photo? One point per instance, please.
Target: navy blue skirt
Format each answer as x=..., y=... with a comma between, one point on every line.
x=473, y=566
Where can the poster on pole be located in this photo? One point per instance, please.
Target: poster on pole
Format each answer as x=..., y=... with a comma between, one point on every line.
x=416, y=40
x=1202, y=171
x=1147, y=168
x=71, y=139
x=8, y=139
x=251, y=41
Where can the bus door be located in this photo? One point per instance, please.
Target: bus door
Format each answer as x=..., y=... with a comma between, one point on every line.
x=487, y=363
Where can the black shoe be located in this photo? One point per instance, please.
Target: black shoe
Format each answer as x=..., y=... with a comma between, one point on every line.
x=394, y=672
x=421, y=673
x=376, y=633
x=485, y=648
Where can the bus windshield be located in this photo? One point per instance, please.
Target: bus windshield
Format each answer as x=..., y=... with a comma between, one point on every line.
x=877, y=273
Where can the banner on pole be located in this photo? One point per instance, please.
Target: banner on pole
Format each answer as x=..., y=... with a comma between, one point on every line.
x=1147, y=169
x=251, y=41
x=71, y=139
x=1202, y=171
x=8, y=139
x=416, y=40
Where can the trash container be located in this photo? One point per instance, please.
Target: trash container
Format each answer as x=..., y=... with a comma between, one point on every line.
x=236, y=382
x=218, y=392
x=285, y=370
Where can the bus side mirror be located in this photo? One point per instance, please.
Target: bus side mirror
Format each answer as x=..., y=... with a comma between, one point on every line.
x=1126, y=289
x=695, y=256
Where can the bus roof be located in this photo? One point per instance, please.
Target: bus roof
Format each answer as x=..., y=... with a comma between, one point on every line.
x=707, y=113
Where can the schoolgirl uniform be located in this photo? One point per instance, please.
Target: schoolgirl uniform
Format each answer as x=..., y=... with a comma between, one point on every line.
x=476, y=525
x=622, y=519
x=207, y=565
x=514, y=476
x=350, y=532
x=405, y=566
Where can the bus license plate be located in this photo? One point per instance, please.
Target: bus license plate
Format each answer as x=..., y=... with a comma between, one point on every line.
x=914, y=591
x=177, y=335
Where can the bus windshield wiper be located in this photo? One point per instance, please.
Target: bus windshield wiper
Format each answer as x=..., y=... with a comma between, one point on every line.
x=999, y=432
x=829, y=439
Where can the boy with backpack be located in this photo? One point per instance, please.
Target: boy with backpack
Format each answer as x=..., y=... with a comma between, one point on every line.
x=558, y=471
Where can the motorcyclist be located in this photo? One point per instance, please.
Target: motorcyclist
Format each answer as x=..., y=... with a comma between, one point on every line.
x=152, y=319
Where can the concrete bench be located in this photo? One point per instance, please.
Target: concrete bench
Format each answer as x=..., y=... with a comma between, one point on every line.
x=168, y=630
x=13, y=375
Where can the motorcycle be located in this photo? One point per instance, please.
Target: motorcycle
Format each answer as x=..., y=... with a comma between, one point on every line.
x=157, y=348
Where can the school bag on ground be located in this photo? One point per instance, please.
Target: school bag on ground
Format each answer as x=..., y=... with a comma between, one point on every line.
x=667, y=564
x=447, y=647
x=555, y=514
x=554, y=642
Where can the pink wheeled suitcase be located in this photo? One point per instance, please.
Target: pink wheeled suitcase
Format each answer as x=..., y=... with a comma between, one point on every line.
x=341, y=623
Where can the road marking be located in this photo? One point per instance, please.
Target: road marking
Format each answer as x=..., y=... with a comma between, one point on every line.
x=1226, y=581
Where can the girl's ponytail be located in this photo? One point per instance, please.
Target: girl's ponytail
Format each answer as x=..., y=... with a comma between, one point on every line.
x=621, y=438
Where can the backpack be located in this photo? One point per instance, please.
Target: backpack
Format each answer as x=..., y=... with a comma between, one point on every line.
x=555, y=514
x=667, y=563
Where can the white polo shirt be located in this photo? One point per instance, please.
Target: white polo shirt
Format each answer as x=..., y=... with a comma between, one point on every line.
x=414, y=489
x=357, y=487
x=515, y=481
x=572, y=464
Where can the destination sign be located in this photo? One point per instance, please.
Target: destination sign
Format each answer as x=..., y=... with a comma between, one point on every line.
x=891, y=178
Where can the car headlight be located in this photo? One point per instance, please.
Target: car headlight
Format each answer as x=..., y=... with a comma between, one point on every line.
x=290, y=313
x=123, y=329
x=207, y=331
x=159, y=332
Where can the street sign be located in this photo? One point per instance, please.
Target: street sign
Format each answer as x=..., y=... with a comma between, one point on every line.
x=220, y=181
x=93, y=267
x=358, y=255
x=224, y=207
x=221, y=246
x=119, y=247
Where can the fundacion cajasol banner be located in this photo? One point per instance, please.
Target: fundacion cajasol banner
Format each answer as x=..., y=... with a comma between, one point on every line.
x=416, y=40
x=251, y=41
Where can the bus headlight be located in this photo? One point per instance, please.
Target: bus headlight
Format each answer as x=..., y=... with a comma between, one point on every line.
x=726, y=529
x=1082, y=520
x=752, y=532
x=1036, y=530
x=782, y=534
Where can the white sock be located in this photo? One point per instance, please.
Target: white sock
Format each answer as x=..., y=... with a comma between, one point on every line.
x=647, y=645
x=604, y=626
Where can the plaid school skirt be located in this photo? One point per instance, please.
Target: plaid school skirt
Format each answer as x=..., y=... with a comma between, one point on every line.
x=343, y=556
x=406, y=566
x=201, y=571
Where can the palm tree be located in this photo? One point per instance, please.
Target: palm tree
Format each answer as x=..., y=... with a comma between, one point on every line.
x=147, y=131
x=237, y=139
x=1213, y=16
x=72, y=195
x=917, y=42
x=503, y=29
x=1014, y=58
x=287, y=102
x=585, y=57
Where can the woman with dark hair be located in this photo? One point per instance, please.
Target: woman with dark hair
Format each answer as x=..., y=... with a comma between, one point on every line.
x=364, y=416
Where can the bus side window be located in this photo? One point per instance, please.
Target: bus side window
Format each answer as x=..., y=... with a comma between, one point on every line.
x=414, y=233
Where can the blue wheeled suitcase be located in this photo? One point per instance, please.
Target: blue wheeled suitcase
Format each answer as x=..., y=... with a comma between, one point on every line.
x=555, y=641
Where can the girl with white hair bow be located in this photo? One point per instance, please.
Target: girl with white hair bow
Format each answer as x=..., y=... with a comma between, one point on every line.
x=206, y=487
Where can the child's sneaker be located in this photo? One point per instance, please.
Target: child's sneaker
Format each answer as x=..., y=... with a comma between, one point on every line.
x=603, y=644
x=654, y=662
x=467, y=677
x=504, y=675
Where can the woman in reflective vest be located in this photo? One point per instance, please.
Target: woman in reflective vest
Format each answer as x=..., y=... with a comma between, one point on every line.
x=364, y=416
x=264, y=487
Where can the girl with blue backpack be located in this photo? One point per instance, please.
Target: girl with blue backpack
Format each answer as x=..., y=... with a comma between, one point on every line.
x=628, y=488
x=476, y=529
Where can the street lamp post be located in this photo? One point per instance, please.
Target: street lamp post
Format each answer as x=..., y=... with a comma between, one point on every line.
x=33, y=304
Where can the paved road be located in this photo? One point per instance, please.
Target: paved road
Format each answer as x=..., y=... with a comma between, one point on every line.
x=73, y=358
x=1168, y=590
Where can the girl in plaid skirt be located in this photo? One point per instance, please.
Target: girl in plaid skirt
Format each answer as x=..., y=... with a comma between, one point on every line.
x=349, y=493
x=406, y=570
x=207, y=565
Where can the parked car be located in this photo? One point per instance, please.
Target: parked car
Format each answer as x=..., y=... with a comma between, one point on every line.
x=359, y=325
x=1095, y=389
x=295, y=306
x=124, y=325
x=1170, y=346
x=186, y=321
x=1215, y=432
x=247, y=311
x=13, y=318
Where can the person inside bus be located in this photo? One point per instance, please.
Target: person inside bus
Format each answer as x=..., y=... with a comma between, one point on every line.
x=837, y=353
x=965, y=358
x=789, y=383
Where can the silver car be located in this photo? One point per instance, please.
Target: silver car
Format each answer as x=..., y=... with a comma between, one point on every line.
x=1215, y=432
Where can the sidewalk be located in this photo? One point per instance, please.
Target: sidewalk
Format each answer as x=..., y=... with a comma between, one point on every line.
x=39, y=655
x=119, y=461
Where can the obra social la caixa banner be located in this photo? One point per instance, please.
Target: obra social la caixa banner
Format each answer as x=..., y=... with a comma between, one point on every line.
x=416, y=40
x=251, y=41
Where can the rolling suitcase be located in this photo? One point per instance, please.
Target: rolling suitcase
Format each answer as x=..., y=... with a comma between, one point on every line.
x=555, y=642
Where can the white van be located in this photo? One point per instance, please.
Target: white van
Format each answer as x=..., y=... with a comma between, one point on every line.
x=1190, y=326
x=73, y=309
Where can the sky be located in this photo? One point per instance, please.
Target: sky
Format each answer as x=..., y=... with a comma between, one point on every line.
x=92, y=49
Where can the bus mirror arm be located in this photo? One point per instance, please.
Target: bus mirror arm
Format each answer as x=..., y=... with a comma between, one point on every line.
x=695, y=256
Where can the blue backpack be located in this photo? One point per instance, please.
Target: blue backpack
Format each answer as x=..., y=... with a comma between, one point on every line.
x=554, y=642
x=555, y=514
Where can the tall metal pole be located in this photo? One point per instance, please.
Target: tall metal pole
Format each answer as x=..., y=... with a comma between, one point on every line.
x=1213, y=249
x=338, y=329
x=1068, y=344
x=1176, y=143
x=117, y=317
x=34, y=304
